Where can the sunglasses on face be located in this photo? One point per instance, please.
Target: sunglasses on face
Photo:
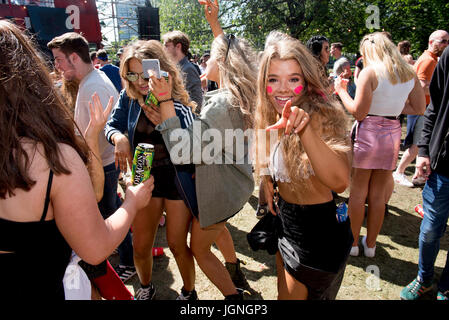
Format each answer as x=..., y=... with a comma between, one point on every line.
x=444, y=41
x=134, y=76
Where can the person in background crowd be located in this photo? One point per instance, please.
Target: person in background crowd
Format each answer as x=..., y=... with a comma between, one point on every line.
x=319, y=47
x=47, y=203
x=433, y=165
x=343, y=67
x=111, y=71
x=206, y=84
x=94, y=59
x=424, y=67
x=335, y=52
x=176, y=44
x=119, y=56
x=404, y=49
x=203, y=60
x=309, y=160
x=385, y=84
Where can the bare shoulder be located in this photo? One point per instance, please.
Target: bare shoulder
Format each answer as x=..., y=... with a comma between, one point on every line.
x=368, y=77
x=72, y=161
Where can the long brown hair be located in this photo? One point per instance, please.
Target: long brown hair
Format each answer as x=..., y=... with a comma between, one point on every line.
x=326, y=115
x=30, y=109
x=152, y=49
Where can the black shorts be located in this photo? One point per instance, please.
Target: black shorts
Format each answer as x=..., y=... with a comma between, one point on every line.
x=314, y=246
x=164, y=183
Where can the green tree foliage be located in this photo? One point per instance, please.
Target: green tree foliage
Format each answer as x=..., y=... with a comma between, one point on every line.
x=339, y=20
x=188, y=17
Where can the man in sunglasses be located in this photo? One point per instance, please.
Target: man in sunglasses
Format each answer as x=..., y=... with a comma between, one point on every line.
x=424, y=67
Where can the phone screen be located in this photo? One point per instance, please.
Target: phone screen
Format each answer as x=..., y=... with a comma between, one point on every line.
x=151, y=64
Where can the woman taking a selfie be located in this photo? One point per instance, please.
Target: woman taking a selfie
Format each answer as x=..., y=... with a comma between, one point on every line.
x=133, y=116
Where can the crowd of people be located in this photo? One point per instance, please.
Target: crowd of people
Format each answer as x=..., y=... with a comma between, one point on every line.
x=65, y=152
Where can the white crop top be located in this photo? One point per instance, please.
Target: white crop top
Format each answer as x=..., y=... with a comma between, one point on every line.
x=389, y=99
x=277, y=167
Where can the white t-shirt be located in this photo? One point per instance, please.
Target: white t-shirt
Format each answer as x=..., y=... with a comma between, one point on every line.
x=95, y=81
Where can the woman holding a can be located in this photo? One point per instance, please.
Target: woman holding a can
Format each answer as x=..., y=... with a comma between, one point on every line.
x=133, y=116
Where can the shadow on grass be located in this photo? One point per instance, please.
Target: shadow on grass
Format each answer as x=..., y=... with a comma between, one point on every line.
x=266, y=260
x=392, y=270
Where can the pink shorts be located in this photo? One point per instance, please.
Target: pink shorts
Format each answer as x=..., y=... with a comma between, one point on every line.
x=377, y=142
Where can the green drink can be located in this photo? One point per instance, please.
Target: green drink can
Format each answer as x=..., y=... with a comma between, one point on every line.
x=142, y=162
x=150, y=97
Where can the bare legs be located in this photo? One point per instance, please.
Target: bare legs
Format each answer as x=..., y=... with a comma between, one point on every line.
x=225, y=244
x=357, y=197
x=288, y=287
x=407, y=158
x=201, y=241
x=376, y=185
x=177, y=228
x=144, y=232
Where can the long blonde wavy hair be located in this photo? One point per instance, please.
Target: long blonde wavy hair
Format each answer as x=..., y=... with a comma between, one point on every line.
x=237, y=65
x=381, y=53
x=152, y=49
x=326, y=114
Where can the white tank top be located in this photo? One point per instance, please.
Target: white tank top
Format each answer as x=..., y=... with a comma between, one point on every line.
x=389, y=99
x=277, y=167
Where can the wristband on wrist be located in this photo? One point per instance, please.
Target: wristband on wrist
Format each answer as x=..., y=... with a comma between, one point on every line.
x=166, y=100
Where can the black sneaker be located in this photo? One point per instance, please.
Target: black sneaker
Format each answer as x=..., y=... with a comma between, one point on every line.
x=187, y=295
x=235, y=296
x=125, y=272
x=146, y=293
x=261, y=210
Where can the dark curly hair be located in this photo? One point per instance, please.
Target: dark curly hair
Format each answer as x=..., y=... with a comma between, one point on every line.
x=315, y=45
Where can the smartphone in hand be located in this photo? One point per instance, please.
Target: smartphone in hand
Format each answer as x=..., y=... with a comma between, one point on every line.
x=151, y=64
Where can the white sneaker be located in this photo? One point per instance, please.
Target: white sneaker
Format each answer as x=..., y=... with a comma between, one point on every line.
x=420, y=181
x=401, y=179
x=354, y=251
x=369, y=252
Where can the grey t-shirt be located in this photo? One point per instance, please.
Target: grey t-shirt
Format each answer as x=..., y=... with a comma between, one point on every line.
x=95, y=81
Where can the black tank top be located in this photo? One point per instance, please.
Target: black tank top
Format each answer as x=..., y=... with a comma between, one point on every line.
x=38, y=257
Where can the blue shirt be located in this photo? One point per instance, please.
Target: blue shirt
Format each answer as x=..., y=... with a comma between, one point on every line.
x=113, y=73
